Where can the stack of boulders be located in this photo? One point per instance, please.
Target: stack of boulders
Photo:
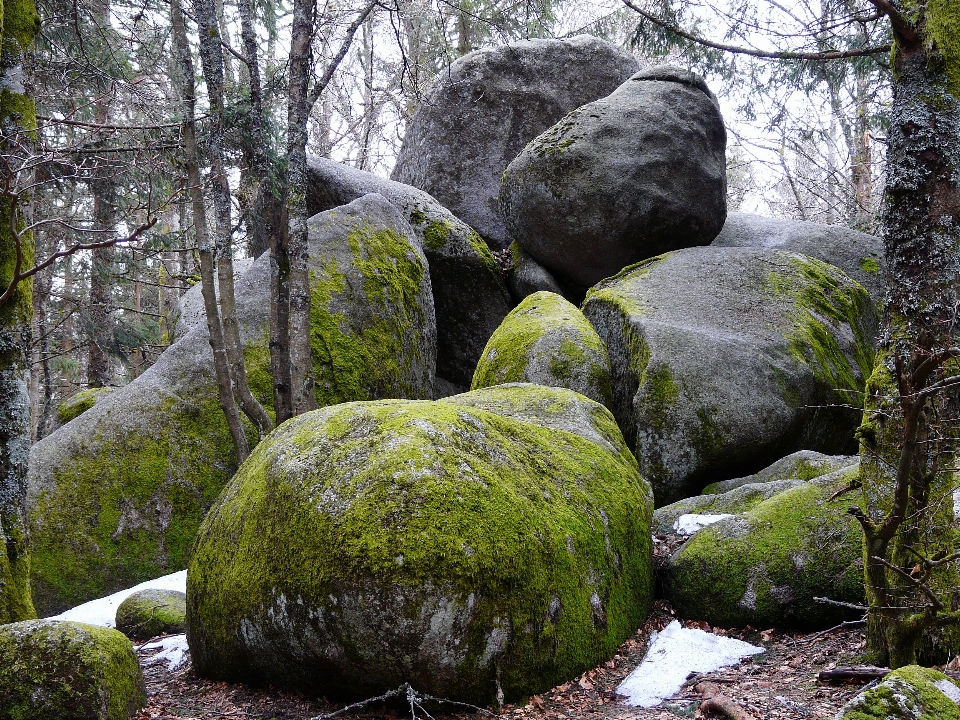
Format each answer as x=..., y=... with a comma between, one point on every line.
x=628, y=344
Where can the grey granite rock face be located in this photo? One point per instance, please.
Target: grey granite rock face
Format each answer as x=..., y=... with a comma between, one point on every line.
x=725, y=359
x=858, y=254
x=622, y=179
x=803, y=465
x=469, y=296
x=487, y=106
x=527, y=276
x=117, y=494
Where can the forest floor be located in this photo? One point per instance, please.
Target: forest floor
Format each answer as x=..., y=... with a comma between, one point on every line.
x=779, y=684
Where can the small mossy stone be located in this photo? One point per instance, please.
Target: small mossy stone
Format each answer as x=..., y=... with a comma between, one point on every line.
x=365, y=545
x=801, y=465
x=546, y=340
x=764, y=567
x=909, y=693
x=148, y=613
x=79, y=403
x=68, y=671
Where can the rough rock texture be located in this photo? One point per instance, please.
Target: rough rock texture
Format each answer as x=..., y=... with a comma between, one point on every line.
x=487, y=105
x=617, y=181
x=858, y=254
x=803, y=464
x=764, y=567
x=148, y=613
x=117, y=495
x=469, y=296
x=910, y=693
x=527, y=276
x=547, y=341
x=67, y=671
x=737, y=500
x=725, y=359
x=189, y=311
x=79, y=403
x=493, y=540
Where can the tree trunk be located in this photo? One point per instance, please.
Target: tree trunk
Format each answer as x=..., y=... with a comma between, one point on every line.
x=207, y=262
x=908, y=449
x=211, y=55
x=100, y=327
x=18, y=120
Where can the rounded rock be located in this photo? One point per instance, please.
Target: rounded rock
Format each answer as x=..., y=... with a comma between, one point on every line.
x=148, y=613
x=619, y=180
x=69, y=671
x=546, y=340
x=461, y=545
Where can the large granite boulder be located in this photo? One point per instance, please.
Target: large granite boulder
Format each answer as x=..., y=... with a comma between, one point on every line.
x=469, y=296
x=803, y=465
x=547, y=341
x=492, y=541
x=908, y=693
x=68, y=671
x=858, y=254
x=636, y=174
x=764, y=565
x=487, y=105
x=117, y=494
x=151, y=612
x=725, y=359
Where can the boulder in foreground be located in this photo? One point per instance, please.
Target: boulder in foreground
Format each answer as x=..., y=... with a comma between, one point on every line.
x=466, y=546
x=910, y=693
x=68, y=671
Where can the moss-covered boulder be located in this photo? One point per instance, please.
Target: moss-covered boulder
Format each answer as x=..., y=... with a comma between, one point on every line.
x=725, y=359
x=858, y=254
x=910, y=693
x=148, y=613
x=466, y=546
x=546, y=341
x=67, y=671
x=803, y=465
x=469, y=295
x=763, y=567
x=79, y=403
x=117, y=495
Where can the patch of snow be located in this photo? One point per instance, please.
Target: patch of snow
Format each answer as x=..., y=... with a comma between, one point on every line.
x=674, y=653
x=104, y=610
x=949, y=689
x=692, y=522
x=173, y=649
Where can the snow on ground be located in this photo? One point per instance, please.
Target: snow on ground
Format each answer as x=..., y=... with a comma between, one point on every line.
x=173, y=649
x=104, y=610
x=674, y=653
x=690, y=523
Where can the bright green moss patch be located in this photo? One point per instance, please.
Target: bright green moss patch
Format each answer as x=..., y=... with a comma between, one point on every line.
x=910, y=693
x=826, y=299
x=764, y=567
x=148, y=613
x=547, y=341
x=68, y=671
x=79, y=403
x=870, y=265
x=943, y=28
x=436, y=543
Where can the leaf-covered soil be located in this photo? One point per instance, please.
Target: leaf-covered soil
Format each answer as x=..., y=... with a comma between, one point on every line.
x=781, y=683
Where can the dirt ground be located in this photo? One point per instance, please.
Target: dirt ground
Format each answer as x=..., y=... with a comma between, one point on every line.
x=781, y=683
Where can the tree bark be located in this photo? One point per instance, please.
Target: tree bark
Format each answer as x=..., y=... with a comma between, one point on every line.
x=18, y=123
x=908, y=439
x=207, y=262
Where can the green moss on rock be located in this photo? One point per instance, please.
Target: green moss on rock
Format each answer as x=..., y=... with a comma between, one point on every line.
x=547, y=341
x=68, y=671
x=765, y=566
x=79, y=403
x=148, y=613
x=440, y=543
x=909, y=693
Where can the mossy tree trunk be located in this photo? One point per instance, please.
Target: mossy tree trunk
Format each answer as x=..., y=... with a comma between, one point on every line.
x=909, y=434
x=18, y=26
